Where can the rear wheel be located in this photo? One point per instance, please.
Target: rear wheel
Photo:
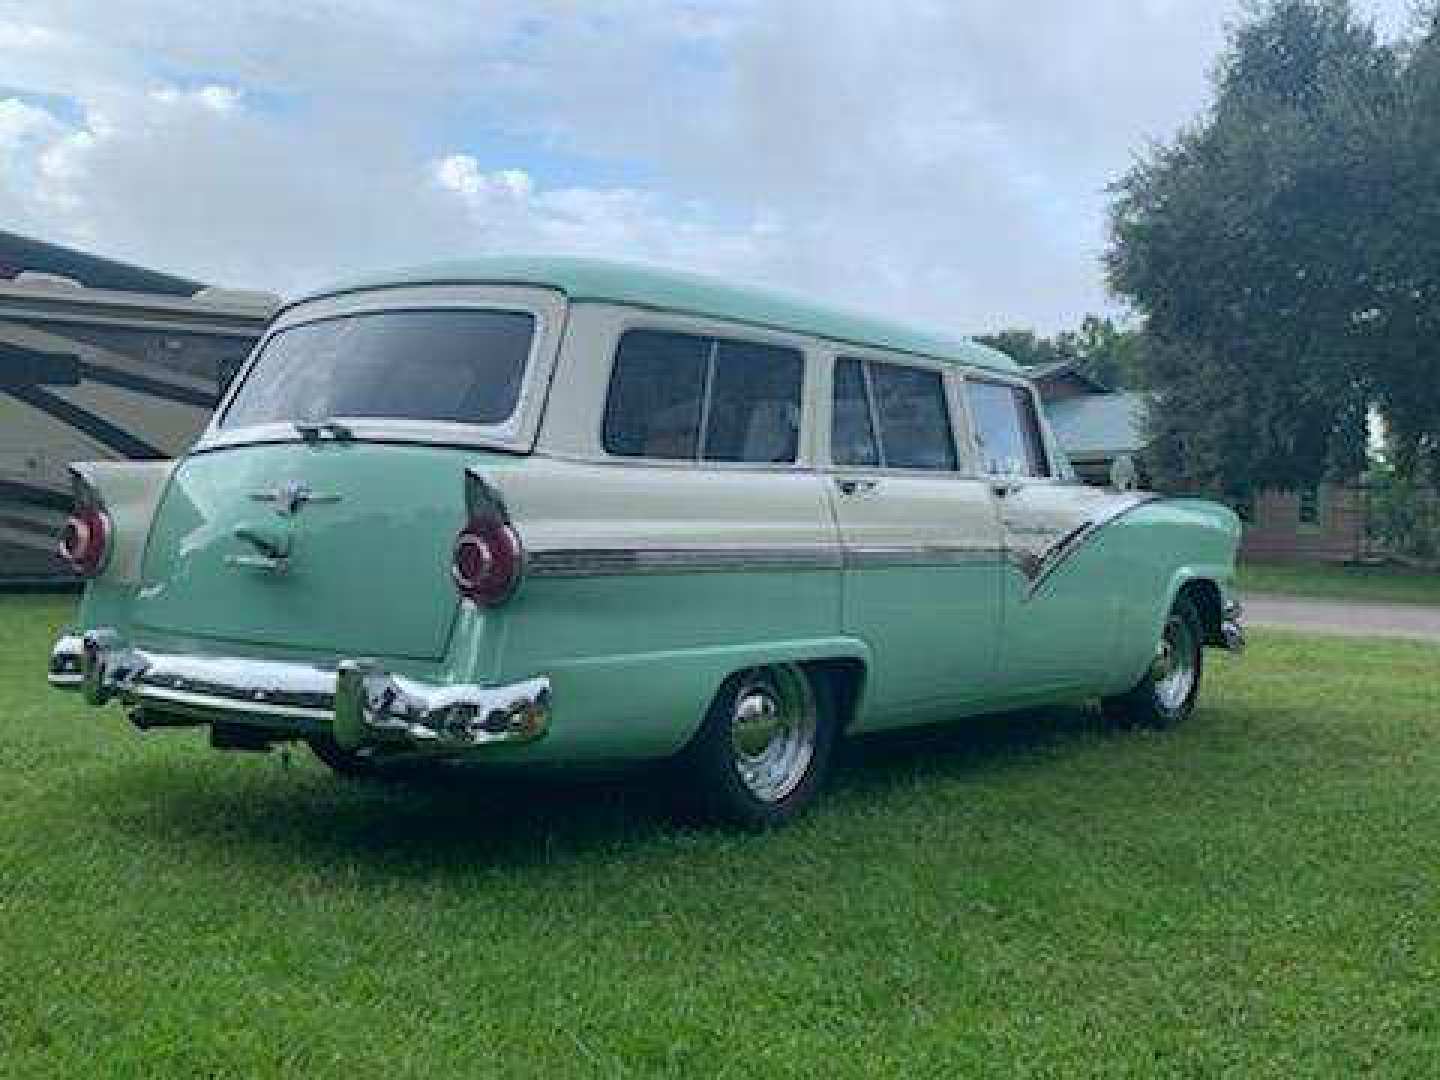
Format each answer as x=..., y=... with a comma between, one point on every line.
x=763, y=749
x=1166, y=694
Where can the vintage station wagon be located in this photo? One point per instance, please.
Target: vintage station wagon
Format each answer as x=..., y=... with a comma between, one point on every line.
x=563, y=511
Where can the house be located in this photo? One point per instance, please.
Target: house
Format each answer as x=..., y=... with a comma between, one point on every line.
x=99, y=359
x=1095, y=425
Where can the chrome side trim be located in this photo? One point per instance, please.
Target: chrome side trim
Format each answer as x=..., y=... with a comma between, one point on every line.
x=868, y=557
x=1064, y=549
x=609, y=562
x=363, y=705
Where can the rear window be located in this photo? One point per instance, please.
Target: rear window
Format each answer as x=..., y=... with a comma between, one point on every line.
x=458, y=366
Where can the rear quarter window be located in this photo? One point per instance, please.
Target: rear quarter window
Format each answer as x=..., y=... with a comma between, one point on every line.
x=455, y=365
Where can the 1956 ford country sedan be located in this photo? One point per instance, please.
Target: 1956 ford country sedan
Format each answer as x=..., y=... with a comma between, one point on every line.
x=561, y=511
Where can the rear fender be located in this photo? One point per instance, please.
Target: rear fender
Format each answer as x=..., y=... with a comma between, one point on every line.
x=649, y=705
x=129, y=492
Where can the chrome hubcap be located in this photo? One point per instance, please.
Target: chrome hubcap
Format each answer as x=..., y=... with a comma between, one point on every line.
x=1174, y=668
x=772, y=732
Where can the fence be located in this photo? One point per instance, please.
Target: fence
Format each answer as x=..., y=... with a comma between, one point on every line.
x=1356, y=522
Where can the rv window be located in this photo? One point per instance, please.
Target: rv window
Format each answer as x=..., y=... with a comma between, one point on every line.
x=460, y=366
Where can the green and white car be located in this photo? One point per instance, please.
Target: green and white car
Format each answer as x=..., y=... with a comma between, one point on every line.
x=563, y=511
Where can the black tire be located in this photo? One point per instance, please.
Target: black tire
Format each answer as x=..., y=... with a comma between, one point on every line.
x=718, y=781
x=1166, y=693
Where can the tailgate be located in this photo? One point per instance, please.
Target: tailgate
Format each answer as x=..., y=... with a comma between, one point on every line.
x=334, y=546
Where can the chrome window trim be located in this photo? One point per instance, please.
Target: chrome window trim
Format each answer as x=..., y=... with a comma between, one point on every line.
x=517, y=434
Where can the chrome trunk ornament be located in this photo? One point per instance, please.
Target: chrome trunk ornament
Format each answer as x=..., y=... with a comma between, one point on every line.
x=290, y=497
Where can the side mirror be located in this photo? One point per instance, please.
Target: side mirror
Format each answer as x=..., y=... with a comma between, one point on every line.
x=1124, y=476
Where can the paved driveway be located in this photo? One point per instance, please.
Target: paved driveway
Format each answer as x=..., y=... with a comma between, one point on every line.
x=1342, y=617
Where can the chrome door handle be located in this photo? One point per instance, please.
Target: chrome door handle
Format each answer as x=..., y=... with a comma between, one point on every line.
x=853, y=486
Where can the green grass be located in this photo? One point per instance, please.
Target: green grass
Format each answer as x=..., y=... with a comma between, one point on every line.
x=1256, y=894
x=1331, y=581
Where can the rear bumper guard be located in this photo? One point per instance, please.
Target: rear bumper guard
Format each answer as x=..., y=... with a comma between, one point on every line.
x=1231, y=632
x=360, y=703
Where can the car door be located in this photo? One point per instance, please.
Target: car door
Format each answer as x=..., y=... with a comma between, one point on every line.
x=1059, y=619
x=921, y=541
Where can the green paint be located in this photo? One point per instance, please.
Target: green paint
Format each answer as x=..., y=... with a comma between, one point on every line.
x=367, y=574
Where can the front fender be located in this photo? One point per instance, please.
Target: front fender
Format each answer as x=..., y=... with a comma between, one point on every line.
x=1187, y=541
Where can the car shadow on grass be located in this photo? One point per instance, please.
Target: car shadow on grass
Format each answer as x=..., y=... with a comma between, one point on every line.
x=203, y=804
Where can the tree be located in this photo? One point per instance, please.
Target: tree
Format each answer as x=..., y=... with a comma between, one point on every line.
x=1100, y=350
x=1403, y=328
x=1250, y=246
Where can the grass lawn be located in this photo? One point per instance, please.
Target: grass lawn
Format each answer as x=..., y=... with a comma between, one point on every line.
x=1257, y=894
x=1328, y=581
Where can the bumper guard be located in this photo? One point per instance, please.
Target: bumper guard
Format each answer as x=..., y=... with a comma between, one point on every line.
x=1231, y=630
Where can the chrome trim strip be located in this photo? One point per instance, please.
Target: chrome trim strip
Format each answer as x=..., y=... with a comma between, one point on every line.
x=876, y=556
x=609, y=562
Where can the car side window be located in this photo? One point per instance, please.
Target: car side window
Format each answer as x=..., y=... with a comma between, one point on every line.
x=685, y=397
x=1007, y=429
x=907, y=404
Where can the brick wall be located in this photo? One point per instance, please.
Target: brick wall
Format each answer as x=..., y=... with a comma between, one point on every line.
x=1276, y=532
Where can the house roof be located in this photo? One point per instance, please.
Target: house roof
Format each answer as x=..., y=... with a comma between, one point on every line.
x=19, y=253
x=668, y=290
x=1099, y=425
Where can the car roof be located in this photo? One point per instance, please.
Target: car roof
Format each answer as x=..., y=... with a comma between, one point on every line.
x=692, y=294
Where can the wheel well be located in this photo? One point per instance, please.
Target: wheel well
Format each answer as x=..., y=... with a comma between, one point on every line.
x=1205, y=595
x=845, y=677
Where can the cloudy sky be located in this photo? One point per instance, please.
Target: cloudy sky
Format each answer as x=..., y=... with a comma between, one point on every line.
x=943, y=160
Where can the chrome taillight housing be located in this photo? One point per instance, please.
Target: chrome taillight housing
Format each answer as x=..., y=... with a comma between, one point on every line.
x=488, y=560
x=85, y=540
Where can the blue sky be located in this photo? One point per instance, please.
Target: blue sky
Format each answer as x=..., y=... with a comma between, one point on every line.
x=926, y=159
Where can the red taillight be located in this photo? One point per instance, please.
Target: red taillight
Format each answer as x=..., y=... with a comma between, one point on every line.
x=85, y=540
x=488, y=562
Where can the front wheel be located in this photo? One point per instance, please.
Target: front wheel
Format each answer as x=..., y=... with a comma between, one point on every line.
x=1166, y=693
x=763, y=749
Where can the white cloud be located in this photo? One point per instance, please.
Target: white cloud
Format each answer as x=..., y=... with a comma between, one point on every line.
x=939, y=160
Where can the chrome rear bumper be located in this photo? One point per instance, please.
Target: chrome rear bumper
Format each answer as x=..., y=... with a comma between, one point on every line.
x=1231, y=631
x=358, y=702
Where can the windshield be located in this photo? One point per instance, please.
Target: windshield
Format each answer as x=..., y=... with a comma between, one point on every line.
x=462, y=366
